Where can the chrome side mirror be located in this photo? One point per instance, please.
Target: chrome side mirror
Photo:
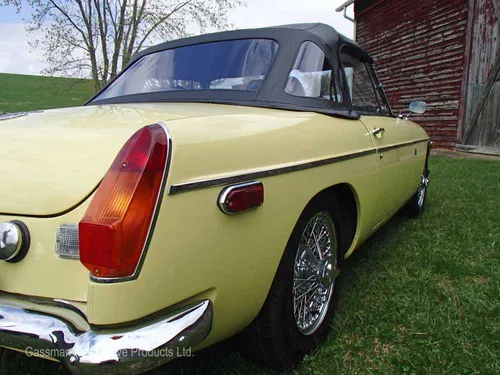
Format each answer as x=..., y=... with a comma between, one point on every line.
x=418, y=107
x=415, y=107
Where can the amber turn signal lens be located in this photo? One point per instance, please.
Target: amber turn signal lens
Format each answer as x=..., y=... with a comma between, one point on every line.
x=114, y=230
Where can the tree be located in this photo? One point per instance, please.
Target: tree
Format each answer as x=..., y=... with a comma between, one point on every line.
x=96, y=38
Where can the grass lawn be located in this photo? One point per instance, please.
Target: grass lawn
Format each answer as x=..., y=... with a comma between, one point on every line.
x=420, y=297
x=20, y=93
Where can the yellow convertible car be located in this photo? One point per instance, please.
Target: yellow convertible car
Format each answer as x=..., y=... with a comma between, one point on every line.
x=213, y=188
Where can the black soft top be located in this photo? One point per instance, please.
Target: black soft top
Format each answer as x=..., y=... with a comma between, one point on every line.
x=271, y=94
x=298, y=32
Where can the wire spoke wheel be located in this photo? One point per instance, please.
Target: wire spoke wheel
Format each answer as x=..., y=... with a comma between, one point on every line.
x=302, y=300
x=314, y=274
x=422, y=191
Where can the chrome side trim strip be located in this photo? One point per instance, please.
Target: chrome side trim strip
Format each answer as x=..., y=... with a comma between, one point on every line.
x=188, y=186
x=388, y=148
x=153, y=221
x=202, y=184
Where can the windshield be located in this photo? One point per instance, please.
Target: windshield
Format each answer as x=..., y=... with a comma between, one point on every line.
x=227, y=65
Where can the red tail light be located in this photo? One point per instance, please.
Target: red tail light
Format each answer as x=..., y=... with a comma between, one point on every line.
x=115, y=227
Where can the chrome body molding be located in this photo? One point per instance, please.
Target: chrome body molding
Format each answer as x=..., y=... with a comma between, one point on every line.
x=388, y=148
x=128, y=351
x=221, y=201
x=180, y=188
x=153, y=221
x=221, y=181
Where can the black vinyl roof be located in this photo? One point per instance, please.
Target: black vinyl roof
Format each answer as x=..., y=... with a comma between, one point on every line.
x=328, y=34
x=271, y=94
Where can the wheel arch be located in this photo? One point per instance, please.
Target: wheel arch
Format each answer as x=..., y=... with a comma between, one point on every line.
x=347, y=200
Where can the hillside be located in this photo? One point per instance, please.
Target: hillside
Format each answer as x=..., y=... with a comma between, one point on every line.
x=26, y=93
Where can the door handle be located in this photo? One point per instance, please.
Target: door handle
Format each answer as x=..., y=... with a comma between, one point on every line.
x=378, y=131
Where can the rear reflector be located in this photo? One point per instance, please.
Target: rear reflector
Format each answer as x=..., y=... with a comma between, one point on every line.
x=115, y=227
x=238, y=198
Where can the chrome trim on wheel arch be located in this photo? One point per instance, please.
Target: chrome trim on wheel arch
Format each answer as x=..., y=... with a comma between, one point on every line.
x=116, y=351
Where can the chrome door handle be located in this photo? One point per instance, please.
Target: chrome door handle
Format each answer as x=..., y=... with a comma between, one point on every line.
x=378, y=131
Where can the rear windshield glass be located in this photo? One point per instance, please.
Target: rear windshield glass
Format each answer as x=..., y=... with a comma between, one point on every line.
x=227, y=65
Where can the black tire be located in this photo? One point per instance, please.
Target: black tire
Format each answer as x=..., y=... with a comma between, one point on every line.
x=273, y=338
x=416, y=205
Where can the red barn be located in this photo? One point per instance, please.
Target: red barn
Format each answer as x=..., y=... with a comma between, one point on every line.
x=446, y=53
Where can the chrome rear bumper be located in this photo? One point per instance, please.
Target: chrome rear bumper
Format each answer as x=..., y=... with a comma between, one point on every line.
x=112, y=351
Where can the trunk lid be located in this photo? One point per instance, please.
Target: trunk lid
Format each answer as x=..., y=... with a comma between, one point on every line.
x=53, y=160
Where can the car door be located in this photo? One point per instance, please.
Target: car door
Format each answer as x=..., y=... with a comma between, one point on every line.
x=316, y=79
x=386, y=132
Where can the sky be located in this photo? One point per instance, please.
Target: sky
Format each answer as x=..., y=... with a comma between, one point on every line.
x=16, y=56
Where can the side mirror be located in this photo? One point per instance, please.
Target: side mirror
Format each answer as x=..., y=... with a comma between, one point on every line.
x=418, y=107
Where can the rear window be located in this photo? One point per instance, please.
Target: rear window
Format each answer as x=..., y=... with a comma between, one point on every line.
x=227, y=65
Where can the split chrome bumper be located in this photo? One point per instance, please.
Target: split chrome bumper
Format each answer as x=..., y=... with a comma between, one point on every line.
x=114, y=351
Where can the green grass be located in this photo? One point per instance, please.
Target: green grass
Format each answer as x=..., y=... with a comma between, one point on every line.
x=20, y=93
x=419, y=297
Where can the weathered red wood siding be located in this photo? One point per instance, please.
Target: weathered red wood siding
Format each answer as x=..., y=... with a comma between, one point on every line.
x=419, y=48
x=484, y=37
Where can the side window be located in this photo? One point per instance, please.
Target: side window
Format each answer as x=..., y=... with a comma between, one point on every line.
x=312, y=75
x=384, y=107
x=360, y=84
